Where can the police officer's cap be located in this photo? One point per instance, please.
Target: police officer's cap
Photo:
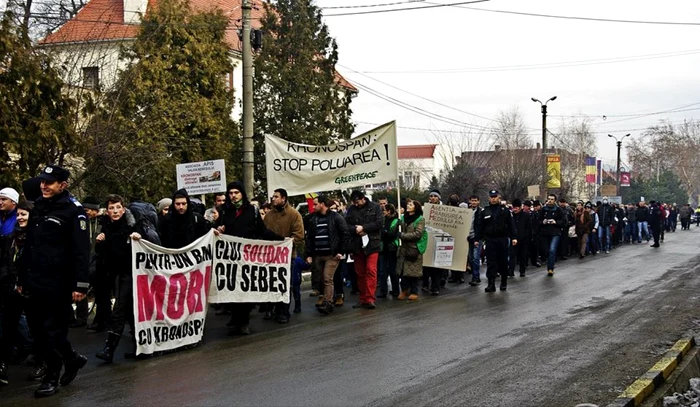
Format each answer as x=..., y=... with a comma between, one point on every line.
x=493, y=192
x=52, y=173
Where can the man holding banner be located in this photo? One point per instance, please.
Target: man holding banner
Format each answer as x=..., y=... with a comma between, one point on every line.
x=238, y=217
x=365, y=221
x=286, y=222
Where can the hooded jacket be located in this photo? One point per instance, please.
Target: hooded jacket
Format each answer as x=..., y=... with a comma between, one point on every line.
x=180, y=230
x=245, y=221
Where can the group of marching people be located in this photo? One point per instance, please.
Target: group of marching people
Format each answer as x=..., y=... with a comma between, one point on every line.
x=53, y=248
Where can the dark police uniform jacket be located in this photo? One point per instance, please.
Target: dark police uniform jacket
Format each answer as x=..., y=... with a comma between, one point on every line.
x=57, y=248
x=494, y=221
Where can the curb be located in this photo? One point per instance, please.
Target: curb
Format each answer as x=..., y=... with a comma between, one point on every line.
x=643, y=387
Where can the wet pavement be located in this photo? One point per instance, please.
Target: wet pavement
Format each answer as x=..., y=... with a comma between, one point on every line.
x=535, y=345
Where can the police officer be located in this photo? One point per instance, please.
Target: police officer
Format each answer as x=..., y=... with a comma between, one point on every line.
x=58, y=251
x=495, y=225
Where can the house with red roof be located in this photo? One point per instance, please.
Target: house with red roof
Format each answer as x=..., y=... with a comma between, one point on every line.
x=418, y=164
x=88, y=45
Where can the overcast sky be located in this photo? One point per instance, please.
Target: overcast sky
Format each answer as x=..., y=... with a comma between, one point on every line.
x=484, y=63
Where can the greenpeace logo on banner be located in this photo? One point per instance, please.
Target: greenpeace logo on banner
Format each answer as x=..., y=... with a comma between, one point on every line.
x=250, y=270
x=170, y=294
x=302, y=168
x=356, y=177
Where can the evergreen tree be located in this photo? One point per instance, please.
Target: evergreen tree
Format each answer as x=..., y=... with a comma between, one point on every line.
x=296, y=95
x=35, y=120
x=169, y=106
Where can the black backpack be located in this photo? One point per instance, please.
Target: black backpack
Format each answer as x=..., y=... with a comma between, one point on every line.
x=146, y=220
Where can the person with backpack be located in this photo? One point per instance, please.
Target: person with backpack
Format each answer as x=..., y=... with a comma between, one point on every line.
x=146, y=217
x=387, y=255
x=113, y=249
x=409, y=266
x=182, y=225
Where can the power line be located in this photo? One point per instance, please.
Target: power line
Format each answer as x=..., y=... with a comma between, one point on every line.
x=433, y=5
x=652, y=114
x=549, y=65
x=372, y=5
x=416, y=109
x=604, y=20
x=413, y=94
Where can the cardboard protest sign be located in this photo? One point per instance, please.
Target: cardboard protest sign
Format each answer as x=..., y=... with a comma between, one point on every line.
x=448, y=228
x=370, y=158
x=170, y=293
x=250, y=270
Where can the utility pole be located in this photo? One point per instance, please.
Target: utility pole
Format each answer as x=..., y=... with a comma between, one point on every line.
x=619, y=146
x=543, y=188
x=248, y=154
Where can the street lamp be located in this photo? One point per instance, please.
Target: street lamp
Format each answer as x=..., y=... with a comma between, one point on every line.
x=619, y=146
x=544, y=142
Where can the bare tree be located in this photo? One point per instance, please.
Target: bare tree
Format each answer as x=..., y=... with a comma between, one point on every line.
x=514, y=163
x=464, y=163
x=576, y=141
x=667, y=147
x=509, y=131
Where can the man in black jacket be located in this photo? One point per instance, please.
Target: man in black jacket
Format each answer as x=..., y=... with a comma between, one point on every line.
x=655, y=221
x=523, y=231
x=495, y=225
x=237, y=217
x=365, y=221
x=326, y=238
x=551, y=220
x=182, y=225
x=606, y=217
x=58, y=251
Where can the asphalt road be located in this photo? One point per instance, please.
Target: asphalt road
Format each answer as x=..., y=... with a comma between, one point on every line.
x=581, y=336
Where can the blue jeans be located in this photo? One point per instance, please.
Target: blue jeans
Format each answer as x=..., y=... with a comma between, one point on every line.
x=643, y=231
x=551, y=243
x=631, y=231
x=604, y=233
x=476, y=261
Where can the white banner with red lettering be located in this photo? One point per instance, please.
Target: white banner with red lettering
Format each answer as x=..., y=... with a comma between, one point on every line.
x=250, y=270
x=173, y=286
x=170, y=293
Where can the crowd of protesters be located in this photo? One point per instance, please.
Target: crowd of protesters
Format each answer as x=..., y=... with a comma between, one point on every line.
x=54, y=248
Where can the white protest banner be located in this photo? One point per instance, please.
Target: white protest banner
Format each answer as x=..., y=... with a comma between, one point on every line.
x=370, y=158
x=204, y=177
x=447, y=226
x=170, y=293
x=251, y=270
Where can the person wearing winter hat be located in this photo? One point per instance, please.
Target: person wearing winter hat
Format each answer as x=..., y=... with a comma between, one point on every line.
x=163, y=208
x=434, y=197
x=237, y=217
x=31, y=188
x=8, y=210
x=433, y=277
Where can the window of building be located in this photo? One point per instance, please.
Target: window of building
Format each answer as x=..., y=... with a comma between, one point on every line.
x=91, y=77
x=229, y=81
